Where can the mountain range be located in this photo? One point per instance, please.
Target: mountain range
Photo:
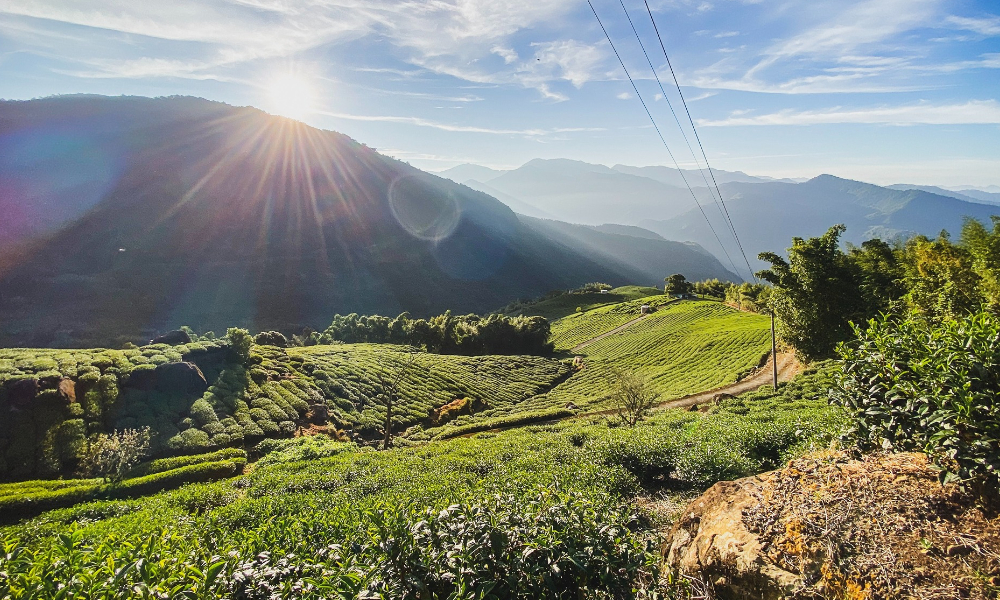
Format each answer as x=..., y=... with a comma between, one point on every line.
x=129, y=216
x=766, y=213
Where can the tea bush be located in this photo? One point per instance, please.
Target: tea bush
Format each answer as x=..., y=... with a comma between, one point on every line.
x=934, y=387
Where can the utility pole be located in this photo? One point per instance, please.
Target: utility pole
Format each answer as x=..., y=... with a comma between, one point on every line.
x=774, y=354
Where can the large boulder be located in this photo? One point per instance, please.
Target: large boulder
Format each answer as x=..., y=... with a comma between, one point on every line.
x=832, y=527
x=173, y=338
x=180, y=378
x=21, y=393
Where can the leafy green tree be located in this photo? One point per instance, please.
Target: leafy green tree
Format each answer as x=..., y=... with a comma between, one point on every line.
x=817, y=293
x=984, y=246
x=240, y=343
x=677, y=284
x=711, y=287
x=940, y=277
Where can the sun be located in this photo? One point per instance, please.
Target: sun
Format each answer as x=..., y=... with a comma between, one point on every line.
x=290, y=96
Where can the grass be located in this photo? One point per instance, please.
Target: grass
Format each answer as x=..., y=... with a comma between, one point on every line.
x=544, y=511
x=566, y=304
x=682, y=348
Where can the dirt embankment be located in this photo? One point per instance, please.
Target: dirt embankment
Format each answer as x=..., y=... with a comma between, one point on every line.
x=828, y=526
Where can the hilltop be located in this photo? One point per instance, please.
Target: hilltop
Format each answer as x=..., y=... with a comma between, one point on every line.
x=133, y=215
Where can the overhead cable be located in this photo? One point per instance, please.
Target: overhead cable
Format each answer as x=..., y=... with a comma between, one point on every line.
x=660, y=134
x=696, y=136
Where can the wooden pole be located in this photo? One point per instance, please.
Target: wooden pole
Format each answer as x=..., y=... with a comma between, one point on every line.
x=774, y=354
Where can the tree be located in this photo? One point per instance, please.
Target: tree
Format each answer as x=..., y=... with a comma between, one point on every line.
x=631, y=395
x=816, y=293
x=271, y=338
x=240, y=343
x=389, y=377
x=111, y=456
x=677, y=284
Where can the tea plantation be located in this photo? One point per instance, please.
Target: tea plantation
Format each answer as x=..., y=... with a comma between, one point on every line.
x=541, y=512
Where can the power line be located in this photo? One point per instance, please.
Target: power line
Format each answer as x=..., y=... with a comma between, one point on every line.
x=696, y=136
x=670, y=104
x=658, y=133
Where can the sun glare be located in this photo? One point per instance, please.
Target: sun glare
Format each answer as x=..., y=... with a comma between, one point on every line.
x=290, y=96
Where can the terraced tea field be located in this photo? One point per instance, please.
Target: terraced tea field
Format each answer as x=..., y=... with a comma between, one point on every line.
x=682, y=348
x=347, y=374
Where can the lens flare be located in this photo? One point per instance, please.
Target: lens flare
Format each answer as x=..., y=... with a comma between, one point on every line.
x=290, y=96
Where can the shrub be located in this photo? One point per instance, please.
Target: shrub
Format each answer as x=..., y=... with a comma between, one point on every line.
x=302, y=448
x=110, y=456
x=240, y=342
x=913, y=385
x=631, y=395
x=167, y=464
x=271, y=338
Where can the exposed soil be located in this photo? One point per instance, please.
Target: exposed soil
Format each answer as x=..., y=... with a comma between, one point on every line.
x=827, y=526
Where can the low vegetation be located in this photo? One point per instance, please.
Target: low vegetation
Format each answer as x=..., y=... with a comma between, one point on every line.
x=540, y=511
x=915, y=385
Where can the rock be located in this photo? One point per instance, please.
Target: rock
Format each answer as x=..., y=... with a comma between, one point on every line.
x=318, y=414
x=571, y=406
x=67, y=389
x=180, y=378
x=711, y=542
x=21, y=393
x=173, y=338
x=832, y=526
x=142, y=379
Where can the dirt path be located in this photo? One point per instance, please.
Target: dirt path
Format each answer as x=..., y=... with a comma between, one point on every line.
x=618, y=329
x=788, y=367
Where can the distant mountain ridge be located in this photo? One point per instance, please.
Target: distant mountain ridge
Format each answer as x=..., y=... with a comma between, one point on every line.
x=127, y=216
x=766, y=212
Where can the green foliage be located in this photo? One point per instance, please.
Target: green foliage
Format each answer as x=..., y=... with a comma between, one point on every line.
x=821, y=289
x=271, y=338
x=542, y=511
x=677, y=285
x=240, y=342
x=711, y=287
x=309, y=447
x=446, y=334
x=912, y=385
x=168, y=464
x=631, y=395
x=111, y=456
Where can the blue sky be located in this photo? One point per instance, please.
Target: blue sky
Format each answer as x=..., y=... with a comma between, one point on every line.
x=886, y=91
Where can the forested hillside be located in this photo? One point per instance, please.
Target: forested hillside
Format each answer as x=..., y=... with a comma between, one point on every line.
x=127, y=216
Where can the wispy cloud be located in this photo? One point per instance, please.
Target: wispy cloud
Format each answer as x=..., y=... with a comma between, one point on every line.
x=421, y=122
x=988, y=26
x=973, y=112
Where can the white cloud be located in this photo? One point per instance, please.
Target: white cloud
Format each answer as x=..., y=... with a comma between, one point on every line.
x=860, y=25
x=973, y=112
x=626, y=96
x=726, y=34
x=443, y=36
x=988, y=26
x=421, y=122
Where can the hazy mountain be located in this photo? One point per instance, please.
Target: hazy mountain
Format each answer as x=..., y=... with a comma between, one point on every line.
x=589, y=194
x=465, y=172
x=515, y=204
x=650, y=258
x=768, y=215
x=977, y=196
x=170, y=211
x=694, y=177
x=630, y=230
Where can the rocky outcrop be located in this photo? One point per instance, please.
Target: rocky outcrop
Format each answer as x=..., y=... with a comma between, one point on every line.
x=831, y=527
x=180, y=378
x=173, y=338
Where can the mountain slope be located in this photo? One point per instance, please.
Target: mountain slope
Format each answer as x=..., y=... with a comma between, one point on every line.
x=976, y=196
x=580, y=192
x=645, y=259
x=212, y=216
x=768, y=215
x=464, y=172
